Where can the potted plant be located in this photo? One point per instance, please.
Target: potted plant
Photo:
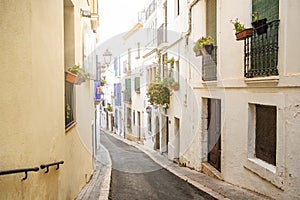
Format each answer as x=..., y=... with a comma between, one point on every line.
x=109, y=108
x=103, y=82
x=241, y=32
x=159, y=94
x=206, y=43
x=174, y=85
x=80, y=72
x=260, y=25
x=70, y=77
x=170, y=83
x=197, y=49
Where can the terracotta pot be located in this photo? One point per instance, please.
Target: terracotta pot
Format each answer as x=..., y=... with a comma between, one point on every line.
x=198, y=53
x=244, y=34
x=70, y=77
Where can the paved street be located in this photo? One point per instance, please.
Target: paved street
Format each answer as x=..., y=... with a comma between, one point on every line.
x=136, y=176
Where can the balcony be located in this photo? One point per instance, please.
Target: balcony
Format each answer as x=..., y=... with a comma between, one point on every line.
x=209, y=66
x=162, y=35
x=261, y=53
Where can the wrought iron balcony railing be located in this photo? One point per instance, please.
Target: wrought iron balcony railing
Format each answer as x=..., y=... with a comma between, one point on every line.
x=261, y=52
x=209, y=66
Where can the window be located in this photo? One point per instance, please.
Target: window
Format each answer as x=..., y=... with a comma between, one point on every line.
x=128, y=123
x=165, y=65
x=69, y=60
x=69, y=104
x=133, y=117
x=209, y=62
x=261, y=51
x=129, y=60
x=117, y=94
x=117, y=66
x=265, y=133
x=137, y=84
x=127, y=97
x=177, y=7
x=176, y=71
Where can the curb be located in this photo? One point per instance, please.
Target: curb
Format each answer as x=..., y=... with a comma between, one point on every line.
x=105, y=184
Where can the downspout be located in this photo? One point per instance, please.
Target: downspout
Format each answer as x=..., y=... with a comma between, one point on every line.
x=188, y=32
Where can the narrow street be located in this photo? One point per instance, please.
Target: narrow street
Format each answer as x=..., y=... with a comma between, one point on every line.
x=136, y=176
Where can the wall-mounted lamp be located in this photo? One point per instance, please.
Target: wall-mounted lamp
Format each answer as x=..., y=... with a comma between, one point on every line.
x=85, y=13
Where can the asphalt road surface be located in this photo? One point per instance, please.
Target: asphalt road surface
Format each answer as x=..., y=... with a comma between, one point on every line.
x=135, y=176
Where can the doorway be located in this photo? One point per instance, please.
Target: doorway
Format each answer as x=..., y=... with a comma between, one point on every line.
x=157, y=134
x=177, y=138
x=214, y=132
x=139, y=125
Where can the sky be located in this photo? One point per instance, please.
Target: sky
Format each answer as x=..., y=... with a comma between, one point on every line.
x=118, y=16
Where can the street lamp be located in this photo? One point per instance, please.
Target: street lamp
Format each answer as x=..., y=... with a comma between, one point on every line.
x=107, y=57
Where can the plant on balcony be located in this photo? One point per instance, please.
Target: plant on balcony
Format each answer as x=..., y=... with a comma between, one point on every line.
x=70, y=77
x=159, y=94
x=82, y=75
x=102, y=82
x=260, y=25
x=197, y=49
x=170, y=83
x=202, y=43
x=241, y=32
x=109, y=108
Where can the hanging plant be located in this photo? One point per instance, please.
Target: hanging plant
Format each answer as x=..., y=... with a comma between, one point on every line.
x=159, y=94
x=82, y=75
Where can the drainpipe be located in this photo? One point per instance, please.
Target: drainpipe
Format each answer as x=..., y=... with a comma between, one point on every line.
x=188, y=32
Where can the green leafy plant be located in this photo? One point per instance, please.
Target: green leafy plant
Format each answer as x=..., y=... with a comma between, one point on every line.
x=79, y=71
x=238, y=27
x=68, y=111
x=109, y=108
x=159, y=94
x=103, y=82
x=255, y=16
x=201, y=42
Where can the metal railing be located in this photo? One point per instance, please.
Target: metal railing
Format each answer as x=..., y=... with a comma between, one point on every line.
x=34, y=169
x=14, y=171
x=51, y=164
x=261, y=52
x=209, y=66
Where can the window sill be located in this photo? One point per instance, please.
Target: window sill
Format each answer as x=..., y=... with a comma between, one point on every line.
x=263, y=81
x=71, y=126
x=265, y=171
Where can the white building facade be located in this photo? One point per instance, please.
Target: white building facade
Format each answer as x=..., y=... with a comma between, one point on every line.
x=236, y=113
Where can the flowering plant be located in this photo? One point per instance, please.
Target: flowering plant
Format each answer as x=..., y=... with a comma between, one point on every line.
x=159, y=94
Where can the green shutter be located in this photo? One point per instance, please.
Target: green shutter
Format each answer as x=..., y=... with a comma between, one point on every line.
x=137, y=84
x=266, y=9
x=128, y=89
x=211, y=19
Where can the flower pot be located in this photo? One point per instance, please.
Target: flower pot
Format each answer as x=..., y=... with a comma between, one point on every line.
x=260, y=26
x=209, y=48
x=198, y=53
x=175, y=87
x=244, y=34
x=70, y=77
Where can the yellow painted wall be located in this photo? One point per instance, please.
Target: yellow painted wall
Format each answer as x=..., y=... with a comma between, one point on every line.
x=32, y=128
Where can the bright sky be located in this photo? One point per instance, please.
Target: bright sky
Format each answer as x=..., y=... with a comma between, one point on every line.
x=118, y=16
